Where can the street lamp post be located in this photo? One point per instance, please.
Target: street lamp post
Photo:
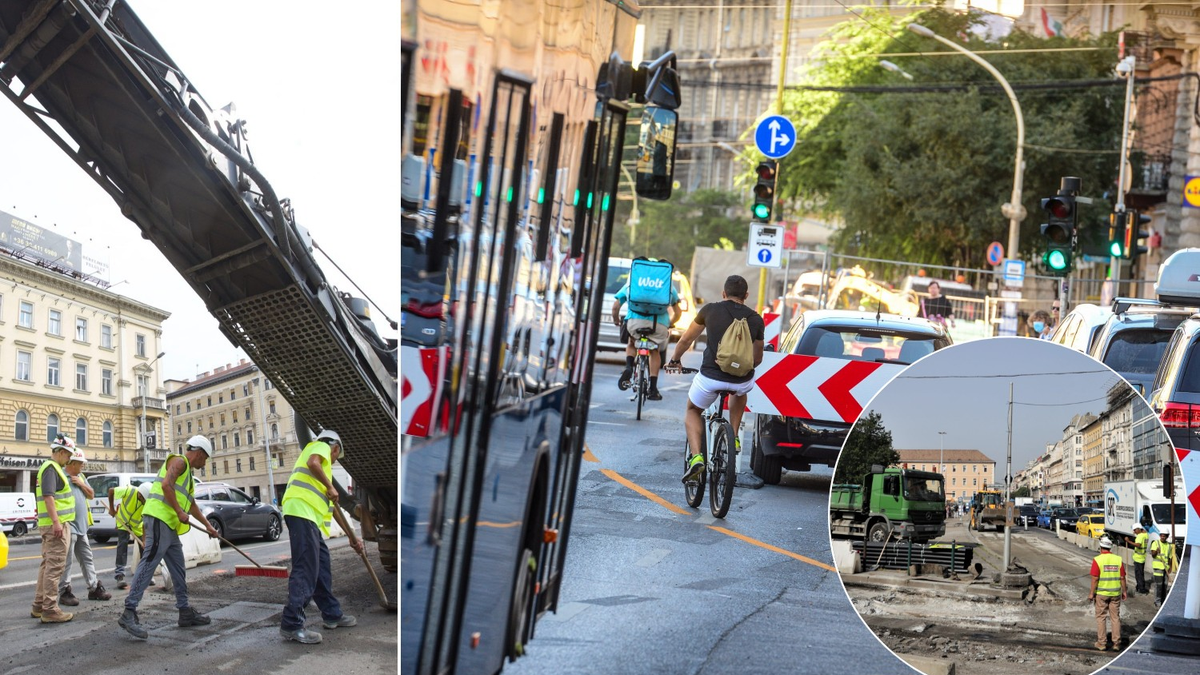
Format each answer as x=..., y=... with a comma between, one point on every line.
x=1014, y=210
x=145, y=391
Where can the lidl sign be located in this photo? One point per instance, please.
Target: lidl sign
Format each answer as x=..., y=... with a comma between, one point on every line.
x=1191, y=192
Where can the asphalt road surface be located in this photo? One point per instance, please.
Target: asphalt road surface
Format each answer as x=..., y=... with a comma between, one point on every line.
x=653, y=586
x=243, y=637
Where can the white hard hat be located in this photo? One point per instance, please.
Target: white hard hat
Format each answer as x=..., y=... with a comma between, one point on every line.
x=200, y=443
x=144, y=490
x=61, y=442
x=1105, y=542
x=77, y=456
x=329, y=435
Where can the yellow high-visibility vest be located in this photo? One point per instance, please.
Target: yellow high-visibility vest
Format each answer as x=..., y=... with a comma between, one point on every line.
x=129, y=513
x=305, y=495
x=1110, y=574
x=64, y=499
x=157, y=505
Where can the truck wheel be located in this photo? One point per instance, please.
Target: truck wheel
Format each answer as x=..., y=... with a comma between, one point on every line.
x=19, y=530
x=878, y=533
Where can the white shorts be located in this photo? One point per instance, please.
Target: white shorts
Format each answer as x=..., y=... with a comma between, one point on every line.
x=705, y=390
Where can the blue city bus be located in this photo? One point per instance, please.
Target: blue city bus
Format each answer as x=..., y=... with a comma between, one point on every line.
x=514, y=134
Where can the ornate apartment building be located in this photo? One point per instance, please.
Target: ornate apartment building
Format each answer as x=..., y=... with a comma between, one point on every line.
x=246, y=420
x=75, y=359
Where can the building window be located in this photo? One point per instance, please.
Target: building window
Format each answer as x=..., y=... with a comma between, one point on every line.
x=22, y=426
x=245, y=390
x=106, y=381
x=225, y=443
x=25, y=318
x=237, y=439
x=25, y=366
x=51, y=427
x=143, y=385
x=226, y=463
x=271, y=405
x=239, y=466
x=222, y=419
x=81, y=329
x=189, y=426
x=247, y=413
x=267, y=385
x=106, y=336
x=233, y=394
x=140, y=344
x=220, y=398
x=52, y=367
x=235, y=417
x=81, y=376
x=177, y=410
x=210, y=401
x=108, y=441
x=252, y=462
x=249, y=437
x=80, y=431
x=189, y=406
x=214, y=468
x=210, y=422
x=179, y=429
x=275, y=432
x=55, y=327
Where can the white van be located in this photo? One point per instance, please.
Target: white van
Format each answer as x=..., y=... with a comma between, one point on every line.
x=18, y=512
x=104, y=526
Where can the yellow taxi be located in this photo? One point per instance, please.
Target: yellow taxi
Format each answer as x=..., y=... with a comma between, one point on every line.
x=1091, y=525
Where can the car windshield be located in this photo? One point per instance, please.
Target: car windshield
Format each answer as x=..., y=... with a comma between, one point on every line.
x=920, y=488
x=617, y=276
x=855, y=343
x=1063, y=512
x=1137, y=351
x=1162, y=514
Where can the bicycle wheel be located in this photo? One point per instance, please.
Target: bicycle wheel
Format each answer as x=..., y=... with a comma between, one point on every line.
x=722, y=470
x=640, y=383
x=694, y=488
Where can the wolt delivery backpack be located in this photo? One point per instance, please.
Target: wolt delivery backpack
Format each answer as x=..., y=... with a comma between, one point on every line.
x=735, y=351
x=650, y=286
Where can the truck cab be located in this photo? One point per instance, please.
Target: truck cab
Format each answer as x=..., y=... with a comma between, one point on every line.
x=891, y=503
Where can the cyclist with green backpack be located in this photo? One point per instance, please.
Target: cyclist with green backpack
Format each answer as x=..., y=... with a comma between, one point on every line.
x=734, y=347
x=654, y=305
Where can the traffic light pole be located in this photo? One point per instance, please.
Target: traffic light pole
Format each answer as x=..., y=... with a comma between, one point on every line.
x=783, y=59
x=1125, y=66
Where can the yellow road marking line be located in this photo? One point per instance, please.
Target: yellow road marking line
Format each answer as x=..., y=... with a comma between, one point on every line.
x=751, y=540
x=644, y=492
x=684, y=512
x=487, y=523
x=588, y=456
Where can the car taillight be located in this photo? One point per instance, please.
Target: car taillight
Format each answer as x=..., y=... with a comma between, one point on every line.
x=790, y=445
x=1180, y=416
x=429, y=310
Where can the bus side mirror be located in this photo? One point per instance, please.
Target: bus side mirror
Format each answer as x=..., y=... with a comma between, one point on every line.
x=656, y=153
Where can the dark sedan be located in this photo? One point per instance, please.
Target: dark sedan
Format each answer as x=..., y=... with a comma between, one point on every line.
x=797, y=443
x=236, y=515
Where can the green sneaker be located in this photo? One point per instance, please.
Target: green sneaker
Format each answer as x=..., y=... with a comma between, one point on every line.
x=695, y=468
x=737, y=444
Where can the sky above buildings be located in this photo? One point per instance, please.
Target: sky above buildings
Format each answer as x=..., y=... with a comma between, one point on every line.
x=319, y=88
x=964, y=391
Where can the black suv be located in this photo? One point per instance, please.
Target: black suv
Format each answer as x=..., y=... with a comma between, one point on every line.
x=1133, y=340
x=797, y=443
x=1175, y=392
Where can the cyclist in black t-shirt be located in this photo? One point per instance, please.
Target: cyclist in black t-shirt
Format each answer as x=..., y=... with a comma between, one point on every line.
x=711, y=380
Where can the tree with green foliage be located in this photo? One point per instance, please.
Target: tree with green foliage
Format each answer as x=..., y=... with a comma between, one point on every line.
x=672, y=229
x=1022, y=491
x=917, y=172
x=869, y=443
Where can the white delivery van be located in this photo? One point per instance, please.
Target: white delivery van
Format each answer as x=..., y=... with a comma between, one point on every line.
x=104, y=526
x=1140, y=502
x=18, y=512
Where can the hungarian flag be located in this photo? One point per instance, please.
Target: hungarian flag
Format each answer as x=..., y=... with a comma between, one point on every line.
x=1053, y=28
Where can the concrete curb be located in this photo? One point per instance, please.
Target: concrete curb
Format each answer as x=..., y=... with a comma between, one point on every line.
x=870, y=580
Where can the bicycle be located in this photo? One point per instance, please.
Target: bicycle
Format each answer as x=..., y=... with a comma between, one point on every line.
x=720, y=464
x=640, y=380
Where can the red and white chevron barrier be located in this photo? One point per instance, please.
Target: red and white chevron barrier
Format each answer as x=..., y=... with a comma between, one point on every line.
x=1189, y=466
x=422, y=372
x=771, y=327
x=819, y=388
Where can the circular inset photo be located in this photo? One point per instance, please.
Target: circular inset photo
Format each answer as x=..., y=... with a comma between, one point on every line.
x=1007, y=505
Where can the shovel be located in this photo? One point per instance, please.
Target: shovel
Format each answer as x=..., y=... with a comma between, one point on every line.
x=341, y=519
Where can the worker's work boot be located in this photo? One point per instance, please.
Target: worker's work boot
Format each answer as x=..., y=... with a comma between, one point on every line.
x=302, y=635
x=190, y=617
x=345, y=621
x=121, y=583
x=129, y=621
x=57, y=617
x=68, y=598
x=98, y=593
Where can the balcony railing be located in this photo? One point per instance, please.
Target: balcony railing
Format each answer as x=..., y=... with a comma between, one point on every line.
x=153, y=455
x=151, y=403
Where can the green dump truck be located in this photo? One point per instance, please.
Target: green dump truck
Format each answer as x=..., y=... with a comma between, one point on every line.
x=890, y=503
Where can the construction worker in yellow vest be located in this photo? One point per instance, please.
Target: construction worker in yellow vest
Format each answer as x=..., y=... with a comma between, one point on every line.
x=165, y=518
x=308, y=505
x=1139, y=541
x=1163, y=553
x=55, y=511
x=1108, y=590
x=132, y=500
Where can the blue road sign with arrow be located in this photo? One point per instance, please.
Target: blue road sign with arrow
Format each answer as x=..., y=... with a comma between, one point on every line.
x=775, y=136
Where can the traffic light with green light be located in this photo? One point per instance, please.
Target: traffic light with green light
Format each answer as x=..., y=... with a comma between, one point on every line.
x=1133, y=232
x=764, y=191
x=1059, y=230
x=1116, y=234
